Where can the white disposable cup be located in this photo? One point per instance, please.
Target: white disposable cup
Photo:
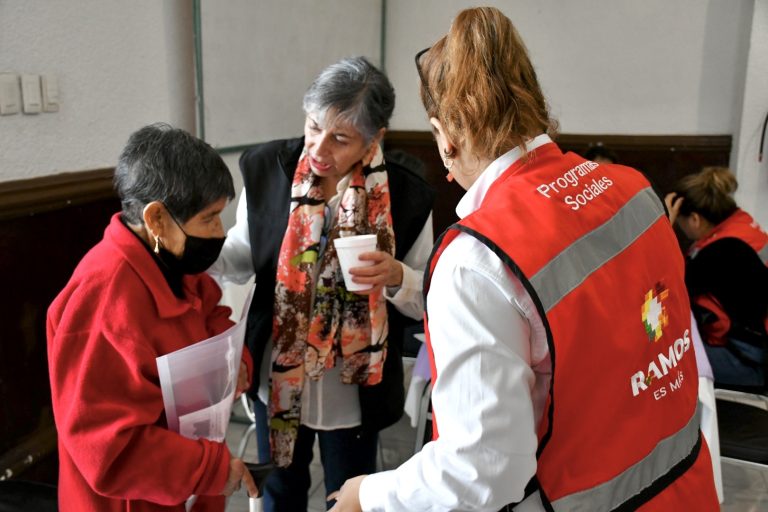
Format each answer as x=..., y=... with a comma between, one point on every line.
x=349, y=249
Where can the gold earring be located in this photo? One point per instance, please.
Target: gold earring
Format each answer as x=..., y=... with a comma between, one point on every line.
x=448, y=158
x=157, y=245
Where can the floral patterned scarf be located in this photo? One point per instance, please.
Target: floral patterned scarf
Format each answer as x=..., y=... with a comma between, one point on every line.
x=309, y=334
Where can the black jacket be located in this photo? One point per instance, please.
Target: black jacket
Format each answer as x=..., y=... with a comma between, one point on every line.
x=733, y=273
x=267, y=175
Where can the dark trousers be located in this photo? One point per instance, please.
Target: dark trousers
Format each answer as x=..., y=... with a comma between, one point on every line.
x=738, y=365
x=262, y=429
x=344, y=453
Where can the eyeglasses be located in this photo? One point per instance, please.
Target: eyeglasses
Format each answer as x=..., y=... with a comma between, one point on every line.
x=424, y=83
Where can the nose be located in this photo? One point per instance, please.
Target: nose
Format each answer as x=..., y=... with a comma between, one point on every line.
x=218, y=228
x=320, y=144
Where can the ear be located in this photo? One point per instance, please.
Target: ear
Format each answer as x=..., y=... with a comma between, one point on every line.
x=695, y=220
x=375, y=142
x=444, y=144
x=154, y=218
x=699, y=224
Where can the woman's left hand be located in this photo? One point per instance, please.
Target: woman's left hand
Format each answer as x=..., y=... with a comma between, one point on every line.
x=348, y=497
x=385, y=271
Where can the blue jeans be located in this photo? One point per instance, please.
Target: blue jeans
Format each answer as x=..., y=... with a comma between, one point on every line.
x=732, y=371
x=345, y=453
x=262, y=429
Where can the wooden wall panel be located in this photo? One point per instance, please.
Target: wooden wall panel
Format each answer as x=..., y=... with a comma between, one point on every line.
x=46, y=226
x=663, y=159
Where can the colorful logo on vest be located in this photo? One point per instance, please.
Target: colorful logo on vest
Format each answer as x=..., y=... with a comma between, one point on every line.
x=655, y=316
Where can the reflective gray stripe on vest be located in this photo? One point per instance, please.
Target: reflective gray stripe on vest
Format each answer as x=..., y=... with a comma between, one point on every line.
x=609, y=495
x=580, y=259
x=763, y=253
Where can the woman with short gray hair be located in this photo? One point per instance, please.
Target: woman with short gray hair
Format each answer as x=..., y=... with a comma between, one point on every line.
x=139, y=294
x=336, y=371
x=356, y=92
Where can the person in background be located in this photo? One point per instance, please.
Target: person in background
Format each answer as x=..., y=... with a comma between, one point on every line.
x=336, y=371
x=726, y=276
x=141, y=293
x=549, y=305
x=601, y=155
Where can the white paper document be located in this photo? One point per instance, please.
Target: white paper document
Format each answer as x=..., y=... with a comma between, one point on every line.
x=198, y=383
x=208, y=423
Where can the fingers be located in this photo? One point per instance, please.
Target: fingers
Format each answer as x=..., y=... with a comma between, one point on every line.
x=239, y=475
x=371, y=270
x=242, y=380
x=377, y=283
x=673, y=202
x=374, y=256
x=380, y=264
x=228, y=489
x=376, y=275
x=250, y=485
x=348, y=497
x=385, y=270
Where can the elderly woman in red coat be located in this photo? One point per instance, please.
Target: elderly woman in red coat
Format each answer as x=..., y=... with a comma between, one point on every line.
x=138, y=294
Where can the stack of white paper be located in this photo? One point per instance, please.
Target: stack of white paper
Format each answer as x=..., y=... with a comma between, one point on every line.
x=198, y=383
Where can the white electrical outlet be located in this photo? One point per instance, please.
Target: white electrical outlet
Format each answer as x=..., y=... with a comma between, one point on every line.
x=10, y=94
x=50, y=86
x=30, y=93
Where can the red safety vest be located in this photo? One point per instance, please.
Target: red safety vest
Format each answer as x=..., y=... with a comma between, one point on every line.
x=739, y=225
x=593, y=248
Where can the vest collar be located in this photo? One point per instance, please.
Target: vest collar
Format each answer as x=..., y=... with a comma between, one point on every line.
x=476, y=193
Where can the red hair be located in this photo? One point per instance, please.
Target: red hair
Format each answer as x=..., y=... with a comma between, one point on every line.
x=480, y=84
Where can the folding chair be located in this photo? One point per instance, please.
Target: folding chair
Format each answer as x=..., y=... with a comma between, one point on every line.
x=743, y=425
x=424, y=419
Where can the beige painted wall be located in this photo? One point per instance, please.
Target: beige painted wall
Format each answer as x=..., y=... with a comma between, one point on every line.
x=120, y=65
x=607, y=66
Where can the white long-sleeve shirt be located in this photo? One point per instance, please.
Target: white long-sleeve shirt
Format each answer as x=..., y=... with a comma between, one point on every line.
x=493, y=371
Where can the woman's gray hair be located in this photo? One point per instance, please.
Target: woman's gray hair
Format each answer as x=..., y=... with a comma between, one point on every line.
x=162, y=163
x=355, y=91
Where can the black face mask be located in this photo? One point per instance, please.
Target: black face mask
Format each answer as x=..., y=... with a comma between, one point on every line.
x=199, y=254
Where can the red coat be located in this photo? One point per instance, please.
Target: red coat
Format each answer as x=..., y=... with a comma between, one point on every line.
x=105, y=329
x=592, y=246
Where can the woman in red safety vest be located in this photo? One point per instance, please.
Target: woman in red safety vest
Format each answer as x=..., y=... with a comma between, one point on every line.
x=557, y=317
x=726, y=275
